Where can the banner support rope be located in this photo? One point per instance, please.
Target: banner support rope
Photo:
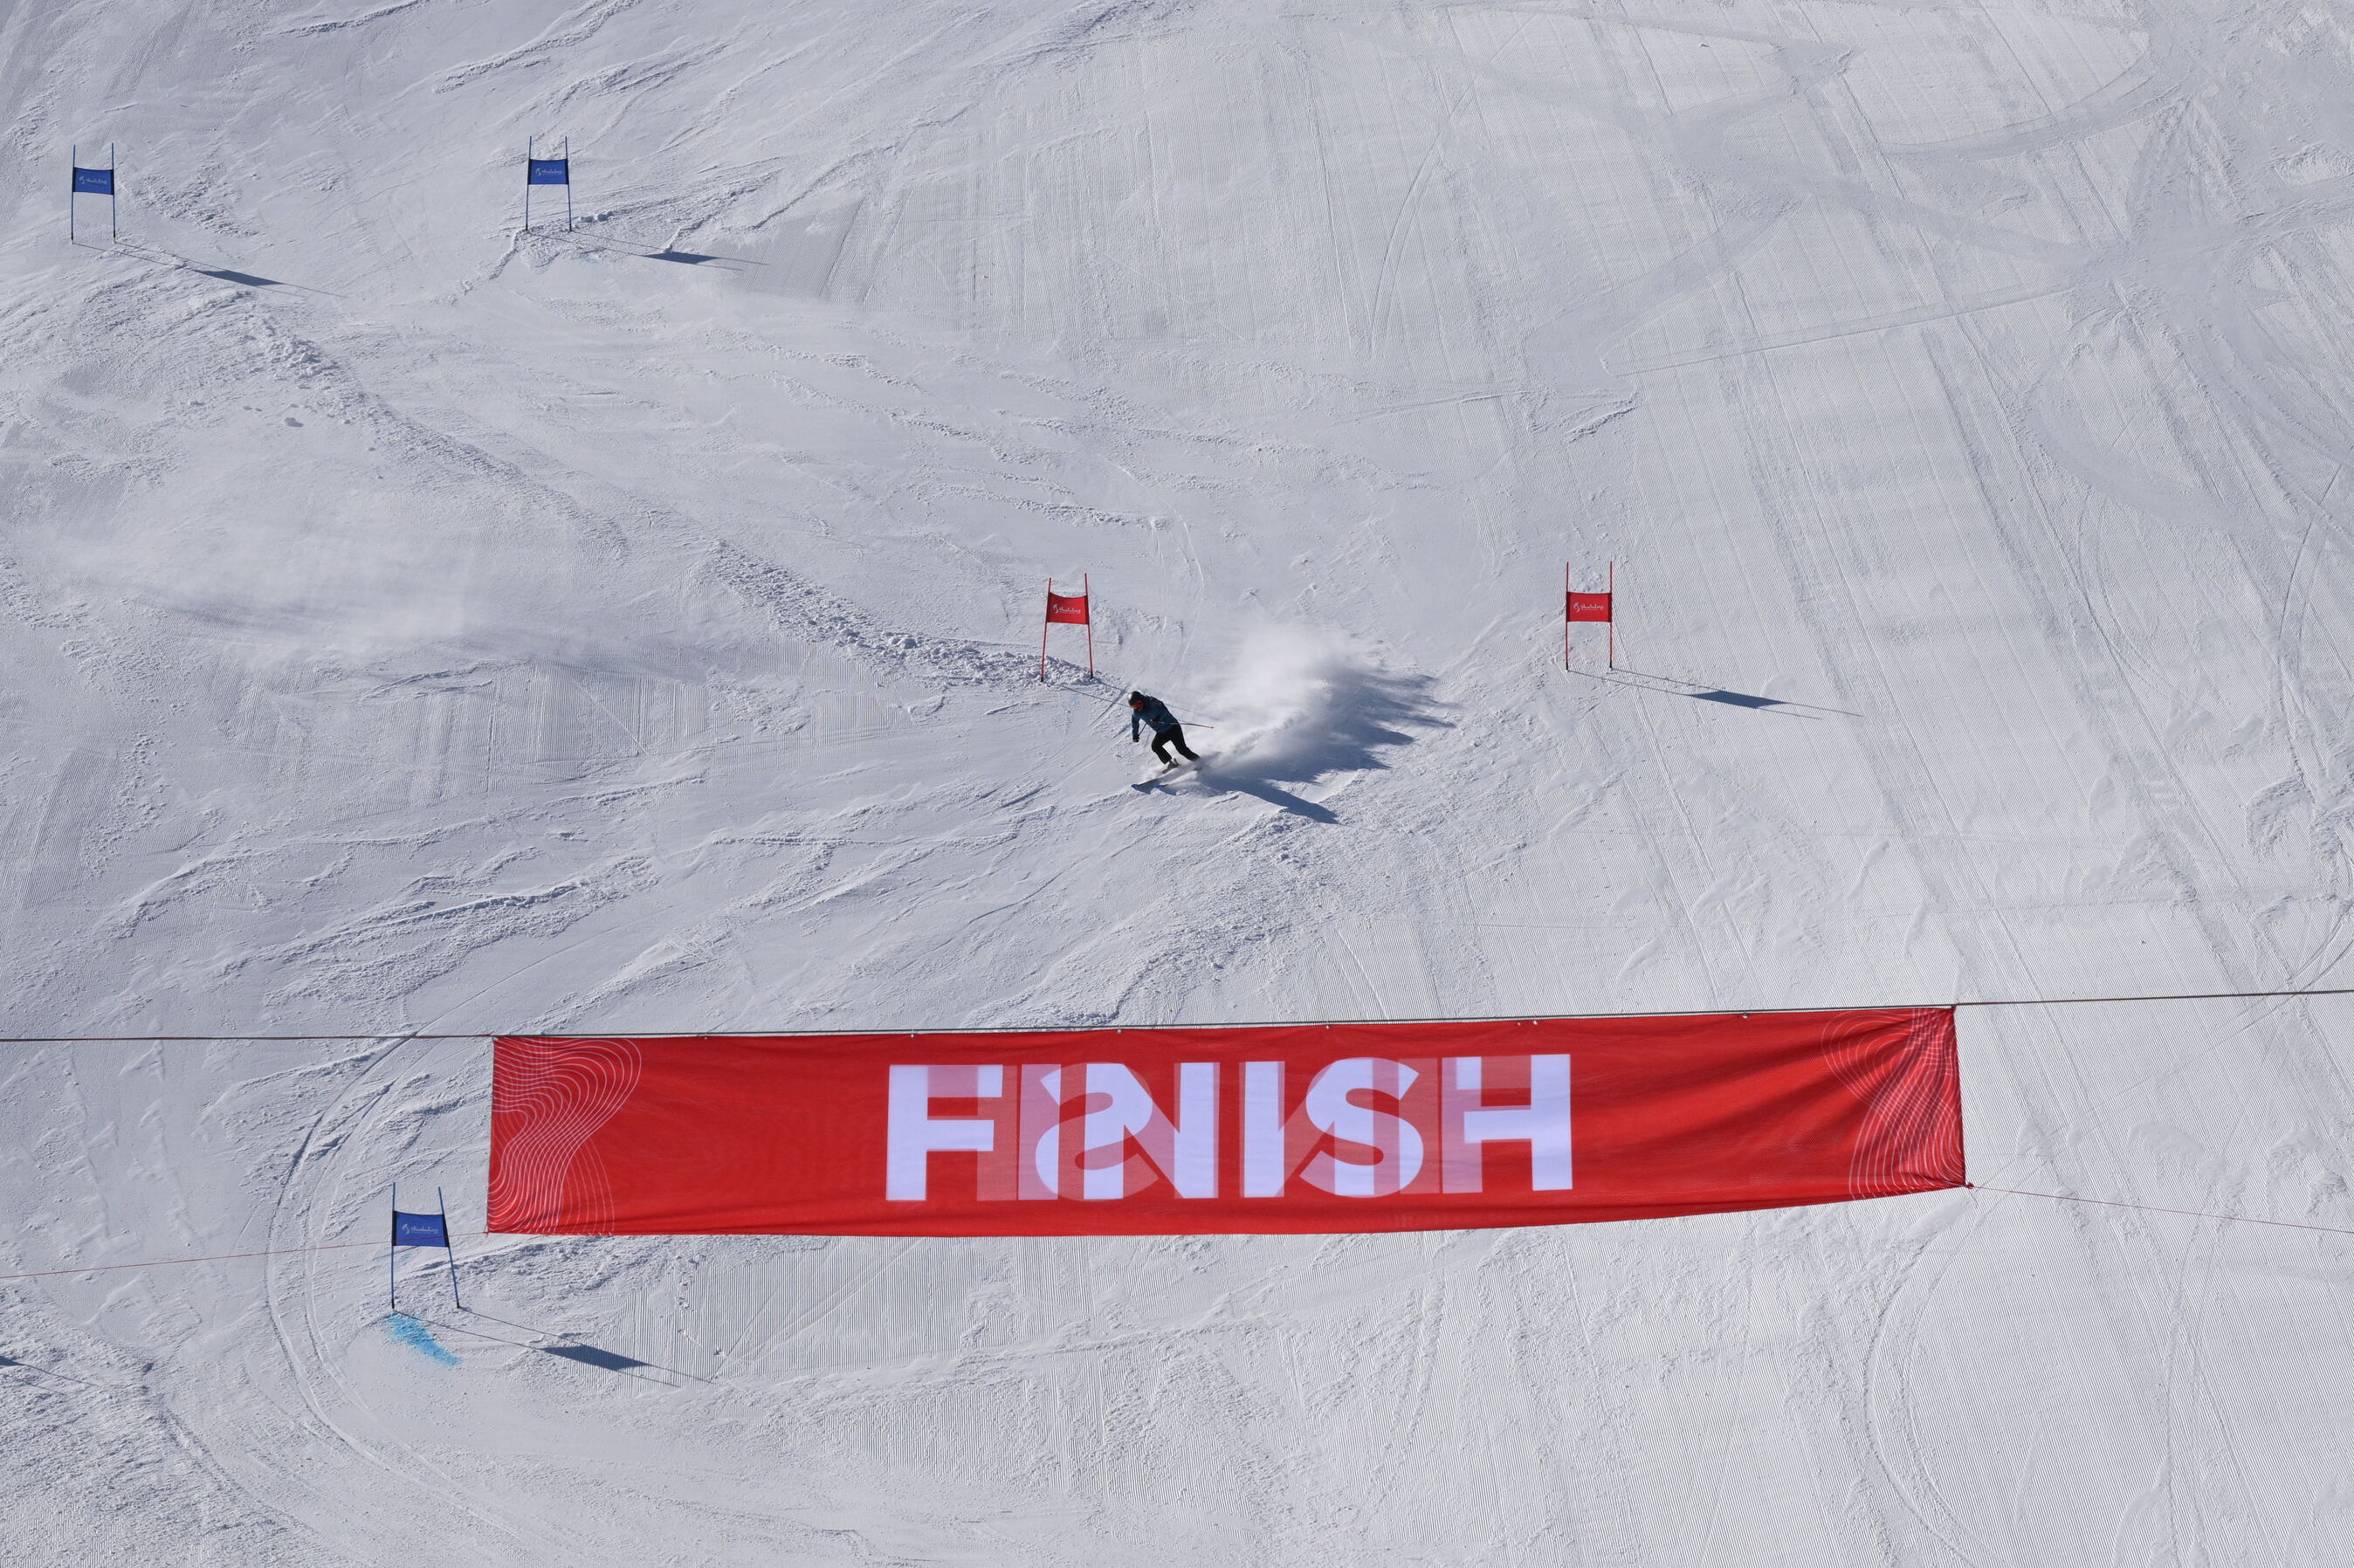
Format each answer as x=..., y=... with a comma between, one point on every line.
x=397, y=1036
x=2156, y=1208
x=1970, y=1186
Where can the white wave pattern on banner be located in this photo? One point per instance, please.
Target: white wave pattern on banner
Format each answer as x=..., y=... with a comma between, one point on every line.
x=1904, y=1135
x=560, y=1092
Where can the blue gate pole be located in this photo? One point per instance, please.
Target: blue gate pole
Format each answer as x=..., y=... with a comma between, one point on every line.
x=71, y=180
x=114, y=230
x=530, y=152
x=567, y=185
x=449, y=1249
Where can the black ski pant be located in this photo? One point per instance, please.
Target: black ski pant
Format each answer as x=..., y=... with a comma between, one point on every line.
x=1162, y=739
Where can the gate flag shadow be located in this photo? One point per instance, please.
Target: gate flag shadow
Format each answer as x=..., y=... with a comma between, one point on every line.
x=1702, y=692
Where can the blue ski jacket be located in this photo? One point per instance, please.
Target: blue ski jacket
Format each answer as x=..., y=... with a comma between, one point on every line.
x=1154, y=713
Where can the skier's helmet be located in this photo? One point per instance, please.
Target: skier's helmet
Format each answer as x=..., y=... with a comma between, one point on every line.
x=1136, y=699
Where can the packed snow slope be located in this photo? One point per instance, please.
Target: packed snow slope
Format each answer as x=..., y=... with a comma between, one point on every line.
x=415, y=625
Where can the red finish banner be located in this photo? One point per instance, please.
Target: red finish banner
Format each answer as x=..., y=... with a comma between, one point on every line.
x=1364, y=1127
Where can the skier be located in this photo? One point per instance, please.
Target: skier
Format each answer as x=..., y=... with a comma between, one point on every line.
x=1166, y=731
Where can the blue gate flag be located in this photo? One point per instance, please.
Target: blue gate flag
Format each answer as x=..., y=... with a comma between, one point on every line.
x=549, y=172
x=92, y=182
x=419, y=1230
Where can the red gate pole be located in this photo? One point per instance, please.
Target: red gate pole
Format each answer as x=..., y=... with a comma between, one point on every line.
x=1042, y=626
x=1612, y=590
x=1087, y=593
x=1564, y=615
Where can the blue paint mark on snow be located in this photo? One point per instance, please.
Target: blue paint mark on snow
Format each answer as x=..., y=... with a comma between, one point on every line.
x=419, y=1338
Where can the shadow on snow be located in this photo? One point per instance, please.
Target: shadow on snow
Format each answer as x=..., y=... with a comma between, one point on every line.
x=566, y=1349
x=1702, y=691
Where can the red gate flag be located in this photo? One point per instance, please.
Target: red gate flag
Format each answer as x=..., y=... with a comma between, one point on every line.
x=1589, y=607
x=1070, y=609
x=1361, y=1127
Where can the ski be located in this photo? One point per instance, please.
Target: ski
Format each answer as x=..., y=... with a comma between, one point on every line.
x=1163, y=775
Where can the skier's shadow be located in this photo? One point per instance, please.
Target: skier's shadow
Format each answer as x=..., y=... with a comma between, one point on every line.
x=1362, y=713
x=1297, y=805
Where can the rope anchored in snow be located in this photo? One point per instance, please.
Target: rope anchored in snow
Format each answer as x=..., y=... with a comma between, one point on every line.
x=2156, y=1208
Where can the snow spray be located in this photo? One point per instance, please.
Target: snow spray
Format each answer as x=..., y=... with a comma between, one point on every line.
x=1288, y=705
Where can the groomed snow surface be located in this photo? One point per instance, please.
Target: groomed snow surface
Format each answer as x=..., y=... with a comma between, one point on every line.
x=411, y=626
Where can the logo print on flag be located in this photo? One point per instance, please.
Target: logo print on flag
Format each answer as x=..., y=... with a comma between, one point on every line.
x=1163, y=1132
x=419, y=1230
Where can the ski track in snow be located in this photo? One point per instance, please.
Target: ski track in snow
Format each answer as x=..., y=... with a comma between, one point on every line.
x=417, y=627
